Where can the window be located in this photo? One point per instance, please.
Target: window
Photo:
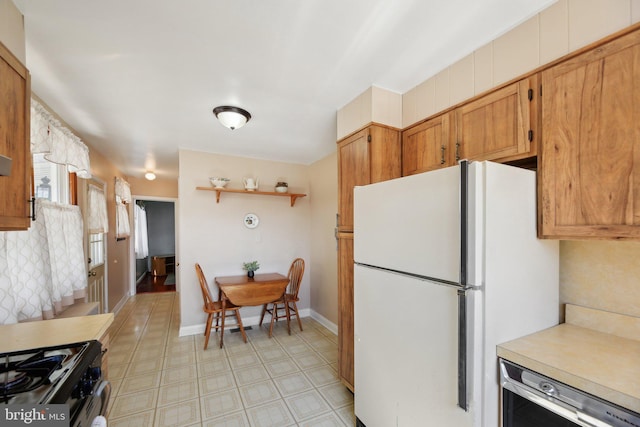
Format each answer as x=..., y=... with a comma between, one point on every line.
x=96, y=250
x=51, y=180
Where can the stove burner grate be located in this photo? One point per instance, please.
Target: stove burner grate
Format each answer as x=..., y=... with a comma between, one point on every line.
x=26, y=375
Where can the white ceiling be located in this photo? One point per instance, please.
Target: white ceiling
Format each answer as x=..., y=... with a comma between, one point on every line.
x=138, y=79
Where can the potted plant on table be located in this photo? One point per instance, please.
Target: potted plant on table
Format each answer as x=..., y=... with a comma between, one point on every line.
x=251, y=267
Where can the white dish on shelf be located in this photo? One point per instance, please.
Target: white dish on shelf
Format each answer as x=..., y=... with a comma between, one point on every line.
x=282, y=189
x=219, y=182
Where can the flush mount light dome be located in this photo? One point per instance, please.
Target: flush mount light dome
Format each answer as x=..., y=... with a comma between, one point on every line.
x=150, y=175
x=232, y=117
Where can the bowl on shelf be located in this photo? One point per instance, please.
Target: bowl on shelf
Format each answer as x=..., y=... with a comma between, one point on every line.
x=282, y=187
x=219, y=182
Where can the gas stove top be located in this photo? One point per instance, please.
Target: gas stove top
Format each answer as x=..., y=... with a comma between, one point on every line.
x=67, y=374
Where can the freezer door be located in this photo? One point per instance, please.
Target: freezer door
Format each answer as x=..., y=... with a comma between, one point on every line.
x=405, y=356
x=411, y=224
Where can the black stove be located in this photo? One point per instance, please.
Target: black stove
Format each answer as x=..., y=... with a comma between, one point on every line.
x=68, y=374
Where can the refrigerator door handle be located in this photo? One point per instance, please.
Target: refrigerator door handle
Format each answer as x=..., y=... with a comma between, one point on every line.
x=462, y=350
x=462, y=294
x=433, y=280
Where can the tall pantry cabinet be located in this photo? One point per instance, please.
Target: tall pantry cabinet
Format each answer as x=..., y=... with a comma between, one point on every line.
x=15, y=109
x=370, y=155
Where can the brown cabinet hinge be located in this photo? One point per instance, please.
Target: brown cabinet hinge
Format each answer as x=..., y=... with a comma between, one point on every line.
x=530, y=135
x=368, y=138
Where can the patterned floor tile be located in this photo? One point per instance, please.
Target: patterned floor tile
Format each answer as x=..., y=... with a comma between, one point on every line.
x=139, y=383
x=292, y=384
x=216, y=383
x=177, y=392
x=236, y=419
x=329, y=419
x=259, y=393
x=274, y=414
x=218, y=404
x=160, y=378
x=281, y=367
x=250, y=375
x=127, y=404
x=337, y=395
x=307, y=405
x=180, y=414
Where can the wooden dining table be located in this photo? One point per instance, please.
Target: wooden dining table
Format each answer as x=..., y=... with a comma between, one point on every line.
x=257, y=290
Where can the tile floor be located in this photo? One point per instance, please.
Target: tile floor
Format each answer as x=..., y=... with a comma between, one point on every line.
x=160, y=379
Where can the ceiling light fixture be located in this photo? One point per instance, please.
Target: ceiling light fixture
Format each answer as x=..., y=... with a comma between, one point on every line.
x=150, y=175
x=232, y=117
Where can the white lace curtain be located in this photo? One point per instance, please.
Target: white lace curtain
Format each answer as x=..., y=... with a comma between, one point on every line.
x=141, y=244
x=42, y=270
x=97, y=220
x=123, y=197
x=57, y=142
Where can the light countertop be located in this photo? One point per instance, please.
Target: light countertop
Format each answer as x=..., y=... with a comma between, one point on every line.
x=45, y=333
x=601, y=363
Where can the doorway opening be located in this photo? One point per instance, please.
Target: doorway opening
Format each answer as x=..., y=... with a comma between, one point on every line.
x=154, y=245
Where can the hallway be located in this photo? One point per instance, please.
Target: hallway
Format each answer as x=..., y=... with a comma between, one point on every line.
x=160, y=379
x=151, y=283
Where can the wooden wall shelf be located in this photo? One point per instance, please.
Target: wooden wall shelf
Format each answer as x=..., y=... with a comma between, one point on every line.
x=292, y=196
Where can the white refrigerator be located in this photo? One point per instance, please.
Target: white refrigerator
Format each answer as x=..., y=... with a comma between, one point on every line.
x=447, y=266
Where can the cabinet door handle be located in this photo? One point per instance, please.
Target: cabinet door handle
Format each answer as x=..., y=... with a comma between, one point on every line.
x=457, y=151
x=442, y=154
x=33, y=208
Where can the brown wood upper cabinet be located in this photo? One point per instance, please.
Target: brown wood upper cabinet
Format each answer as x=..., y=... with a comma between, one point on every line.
x=368, y=156
x=426, y=146
x=499, y=126
x=15, y=109
x=589, y=166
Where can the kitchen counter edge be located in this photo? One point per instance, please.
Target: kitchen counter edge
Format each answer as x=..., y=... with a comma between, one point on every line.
x=601, y=364
x=46, y=333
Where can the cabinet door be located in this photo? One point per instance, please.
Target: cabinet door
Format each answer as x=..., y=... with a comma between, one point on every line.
x=345, y=308
x=497, y=126
x=425, y=146
x=353, y=169
x=15, y=107
x=369, y=156
x=590, y=152
x=385, y=154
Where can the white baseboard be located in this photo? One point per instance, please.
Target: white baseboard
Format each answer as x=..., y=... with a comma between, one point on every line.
x=324, y=322
x=121, y=304
x=246, y=321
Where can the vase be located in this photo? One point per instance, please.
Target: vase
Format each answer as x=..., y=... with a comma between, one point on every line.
x=250, y=273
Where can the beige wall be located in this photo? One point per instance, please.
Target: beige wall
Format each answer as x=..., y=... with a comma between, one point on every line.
x=562, y=28
x=602, y=275
x=213, y=234
x=12, y=29
x=373, y=105
x=323, y=177
x=117, y=261
x=156, y=188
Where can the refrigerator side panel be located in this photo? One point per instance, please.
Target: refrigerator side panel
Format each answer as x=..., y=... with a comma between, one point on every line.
x=521, y=272
x=405, y=351
x=410, y=224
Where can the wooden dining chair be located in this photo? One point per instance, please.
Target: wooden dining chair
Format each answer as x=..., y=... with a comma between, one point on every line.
x=286, y=307
x=214, y=310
